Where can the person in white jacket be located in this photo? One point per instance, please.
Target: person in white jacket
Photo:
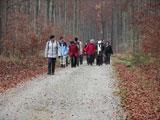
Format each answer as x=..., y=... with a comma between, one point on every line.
x=51, y=52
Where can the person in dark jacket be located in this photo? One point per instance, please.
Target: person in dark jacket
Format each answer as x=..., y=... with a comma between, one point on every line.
x=108, y=52
x=103, y=44
x=91, y=49
x=51, y=52
x=73, y=53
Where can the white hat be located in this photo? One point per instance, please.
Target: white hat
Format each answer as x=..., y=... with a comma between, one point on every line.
x=92, y=40
x=99, y=42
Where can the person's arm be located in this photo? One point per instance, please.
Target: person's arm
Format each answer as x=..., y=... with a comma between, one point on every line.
x=59, y=49
x=46, y=50
x=94, y=48
x=70, y=50
x=77, y=50
x=111, y=49
x=87, y=48
x=105, y=52
x=66, y=51
x=83, y=48
x=103, y=48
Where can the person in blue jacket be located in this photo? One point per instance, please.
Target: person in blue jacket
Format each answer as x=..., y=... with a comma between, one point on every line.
x=63, y=51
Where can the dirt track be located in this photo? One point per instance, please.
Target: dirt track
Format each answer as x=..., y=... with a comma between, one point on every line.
x=83, y=93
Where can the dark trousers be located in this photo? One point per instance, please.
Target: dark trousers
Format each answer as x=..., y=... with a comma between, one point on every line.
x=108, y=58
x=99, y=60
x=93, y=58
x=81, y=59
x=103, y=59
x=51, y=65
x=77, y=60
x=73, y=61
x=90, y=58
x=87, y=56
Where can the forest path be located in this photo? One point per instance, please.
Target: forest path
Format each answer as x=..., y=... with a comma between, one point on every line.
x=82, y=93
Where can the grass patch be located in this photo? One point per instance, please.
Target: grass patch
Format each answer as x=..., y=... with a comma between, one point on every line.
x=131, y=60
x=122, y=93
x=116, y=93
x=9, y=59
x=139, y=58
x=125, y=62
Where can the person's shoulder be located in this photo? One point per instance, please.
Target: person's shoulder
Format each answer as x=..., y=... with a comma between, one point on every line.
x=76, y=45
x=65, y=43
x=48, y=41
x=56, y=41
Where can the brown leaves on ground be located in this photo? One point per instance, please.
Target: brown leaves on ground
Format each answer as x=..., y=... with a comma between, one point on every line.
x=12, y=73
x=140, y=90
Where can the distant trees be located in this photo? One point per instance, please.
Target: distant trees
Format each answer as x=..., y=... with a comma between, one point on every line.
x=26, y=24
x=135, y=26
x=127, y=24
x=0, y=25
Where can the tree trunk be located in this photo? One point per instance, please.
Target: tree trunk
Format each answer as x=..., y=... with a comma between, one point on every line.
x=65, y=16
x=47, y=10
x=36, y=11
x=6, y=17
x=0, y=26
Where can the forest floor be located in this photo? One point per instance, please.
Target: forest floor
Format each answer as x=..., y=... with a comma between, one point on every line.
x=14, y=71
x=82, y=93
x=139, y=84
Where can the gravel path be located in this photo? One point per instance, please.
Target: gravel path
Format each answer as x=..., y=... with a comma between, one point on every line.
x=83, y=93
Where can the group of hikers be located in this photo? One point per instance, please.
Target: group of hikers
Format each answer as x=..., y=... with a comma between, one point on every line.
x=75, y=51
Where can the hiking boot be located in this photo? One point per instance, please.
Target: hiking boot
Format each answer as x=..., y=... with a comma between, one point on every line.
x=49, y=73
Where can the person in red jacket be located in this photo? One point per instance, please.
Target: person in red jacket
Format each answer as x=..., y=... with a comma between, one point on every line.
x=91, y=49
x=73, y=53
